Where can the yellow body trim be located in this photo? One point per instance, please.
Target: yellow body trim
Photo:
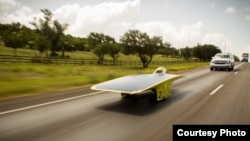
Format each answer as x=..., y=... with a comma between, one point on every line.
x=163, y=90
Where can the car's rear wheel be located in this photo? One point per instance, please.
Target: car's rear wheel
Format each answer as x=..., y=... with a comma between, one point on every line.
x=153, y=97
x=125, y=95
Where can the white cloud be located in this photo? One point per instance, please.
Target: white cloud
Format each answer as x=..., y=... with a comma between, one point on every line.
x=218, y=40
x=187, y=35
x=240, y=51
x=213, y=5
x=67, y=13
x=105, y=17
x=247, y=17
x=5, y=5
x=165, y=5
x=190, y=32
x=247, y=49
x=230, y=10
x=13, y=11
x=247, y=9
x=23, y=15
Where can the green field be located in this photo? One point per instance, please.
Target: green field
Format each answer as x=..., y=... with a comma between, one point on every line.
x=77, y=54
x=18, y=79
x=23, y=79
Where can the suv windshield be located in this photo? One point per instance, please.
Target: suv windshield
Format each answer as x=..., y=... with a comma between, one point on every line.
x=222, y=56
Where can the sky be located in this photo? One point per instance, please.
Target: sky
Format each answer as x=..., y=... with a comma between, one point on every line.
x=223, y=23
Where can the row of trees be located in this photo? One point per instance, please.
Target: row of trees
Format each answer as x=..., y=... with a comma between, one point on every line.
x=48, y=35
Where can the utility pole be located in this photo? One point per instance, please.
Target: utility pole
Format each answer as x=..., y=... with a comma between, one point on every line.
x=225, y=50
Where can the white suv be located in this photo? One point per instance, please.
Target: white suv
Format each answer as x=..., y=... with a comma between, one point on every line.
x=222, y=61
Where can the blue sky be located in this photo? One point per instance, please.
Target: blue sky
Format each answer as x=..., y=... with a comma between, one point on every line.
x=224, y=23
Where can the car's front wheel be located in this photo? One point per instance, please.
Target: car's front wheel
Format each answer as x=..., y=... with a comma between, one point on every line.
x=232, y=68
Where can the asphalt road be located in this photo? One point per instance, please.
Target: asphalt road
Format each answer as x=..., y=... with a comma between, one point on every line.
x=201, y=97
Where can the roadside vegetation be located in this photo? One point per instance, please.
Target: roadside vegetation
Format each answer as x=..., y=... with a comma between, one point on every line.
x=47, y=40
x=19, y=79
x=26, y=79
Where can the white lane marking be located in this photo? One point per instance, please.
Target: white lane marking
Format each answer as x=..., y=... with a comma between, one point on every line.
x=48, y=103
x=236, y=73
x=215, y=90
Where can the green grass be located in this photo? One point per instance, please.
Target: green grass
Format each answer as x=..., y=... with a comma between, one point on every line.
x=77, y=54
x=18, y=79
x=27, y=79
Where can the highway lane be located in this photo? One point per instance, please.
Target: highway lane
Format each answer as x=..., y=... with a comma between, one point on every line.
x=201, y=97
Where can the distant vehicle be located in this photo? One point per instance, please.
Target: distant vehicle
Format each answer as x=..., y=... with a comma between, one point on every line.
x=222, y=61
x=245, y=57
x=244, y=60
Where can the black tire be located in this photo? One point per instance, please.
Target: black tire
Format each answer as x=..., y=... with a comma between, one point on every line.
x=153, y=97
x=125, y=95
x=231, y=69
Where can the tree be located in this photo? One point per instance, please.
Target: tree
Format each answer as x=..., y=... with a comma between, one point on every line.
x=155, y=43
x=70, y=43
x=52, y=30
x=205, y=52
x=12, y=35
x=236, y=58
x=165, y=50
x=113, y=51
x=101, y=44
x=136, y=42
x=186, y=53
x=42, y=44
x=80, y=43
